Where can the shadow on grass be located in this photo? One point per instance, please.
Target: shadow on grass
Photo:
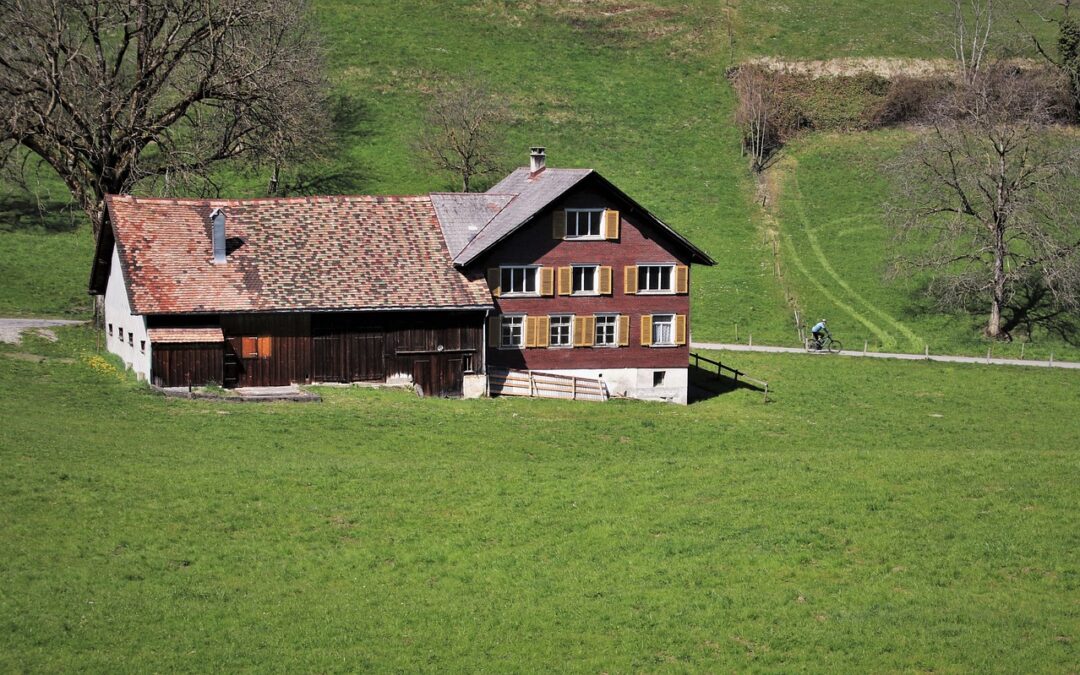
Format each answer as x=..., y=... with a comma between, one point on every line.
x=22, y=212
x=708, y=384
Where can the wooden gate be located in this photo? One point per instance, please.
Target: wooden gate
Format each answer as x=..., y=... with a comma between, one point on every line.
x=349, y=357
x=441, y=375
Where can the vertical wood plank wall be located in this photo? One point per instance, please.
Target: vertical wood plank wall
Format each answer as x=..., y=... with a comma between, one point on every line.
x=186, y=365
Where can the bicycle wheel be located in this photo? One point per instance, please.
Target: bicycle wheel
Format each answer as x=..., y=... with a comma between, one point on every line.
x=835, y=347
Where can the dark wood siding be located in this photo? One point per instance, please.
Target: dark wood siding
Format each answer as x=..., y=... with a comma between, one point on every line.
x=185, y=365
x=289, y=360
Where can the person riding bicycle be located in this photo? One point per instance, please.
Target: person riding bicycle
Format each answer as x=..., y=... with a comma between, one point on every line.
x=818, y=331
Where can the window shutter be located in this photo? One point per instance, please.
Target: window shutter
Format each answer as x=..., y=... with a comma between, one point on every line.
x=584, y=330
x=494, y=331
x=605, y=281
x=680, y=329
x=682, y=279
x=530, y=331
x=624, y=330
x=630, y=279
x=566, y=281
x=646, y=330
x=611, y=224
x=265, y=348
x=249, y=346
x=547, y=281
x=543, y=331
x=558, y=225
x=494, y=281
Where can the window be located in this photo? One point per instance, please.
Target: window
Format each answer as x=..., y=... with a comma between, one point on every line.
x=121, y=329
x=561, y=331
x=607, y=330
x=521, y=280
x=655, y=278
x=658, y=377
x=663, y=329
x=255, y=347
x=131, y=339
x=142, y=346
x=584, y=279
x=512, y=332
x=584, y=223
x=110, y=330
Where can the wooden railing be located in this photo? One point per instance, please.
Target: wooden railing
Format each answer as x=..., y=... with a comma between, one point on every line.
x=545, y=385
x=698, y=359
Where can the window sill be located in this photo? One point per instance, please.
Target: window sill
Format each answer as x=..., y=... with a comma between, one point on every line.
x=519, y=295
x=664, y=345
x=584, y=238
x=672, y=292
x=511, y=348
x=585, y=294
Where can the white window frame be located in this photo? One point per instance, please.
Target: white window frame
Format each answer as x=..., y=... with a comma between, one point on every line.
x=663, y=319
x=572, y=229
x=523, y=270
x=569, y=331
x=642, y=290
x=512, y=318
x=595, y=279
x=614, y=322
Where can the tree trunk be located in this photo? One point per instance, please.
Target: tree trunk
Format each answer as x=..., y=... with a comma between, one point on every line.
x=997, y=299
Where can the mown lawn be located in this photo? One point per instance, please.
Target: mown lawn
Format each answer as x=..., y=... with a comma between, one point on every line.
x=874, y=516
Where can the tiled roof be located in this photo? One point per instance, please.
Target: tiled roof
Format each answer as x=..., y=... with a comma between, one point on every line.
x=531, y=194
x=463, y=215
x=310, y=253
x=185, y=335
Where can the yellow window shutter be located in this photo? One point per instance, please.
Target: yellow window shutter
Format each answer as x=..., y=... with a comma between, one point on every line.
x=558, y=225
x=584, y=330
x=566, y=282
x=494, y=331
x=611, y=224
x=682, y=279
x=530, y=331
x=630, y=279
x=624, y=330
x=605, y=281
x=494, y=276
x=547, y=281
x=543, y=331
x=646, y=330
x=590, y=330
x=680, y=329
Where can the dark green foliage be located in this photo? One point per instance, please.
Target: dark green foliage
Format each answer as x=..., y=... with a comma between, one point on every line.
x=1069, y=53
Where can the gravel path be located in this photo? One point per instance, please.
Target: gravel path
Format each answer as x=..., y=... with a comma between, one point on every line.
x=719, y=346
x=11, y=329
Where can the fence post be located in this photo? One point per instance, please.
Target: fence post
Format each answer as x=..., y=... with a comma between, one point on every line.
x=926, y=352
x=864, y=344
x=1051, y=358
x=1022, y=345
x=573, y=388
x=751, y=338
x=988, y=351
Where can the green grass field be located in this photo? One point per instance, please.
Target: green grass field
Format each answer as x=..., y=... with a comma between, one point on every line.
x=873, y=517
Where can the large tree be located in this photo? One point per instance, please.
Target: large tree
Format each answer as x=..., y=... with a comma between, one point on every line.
x=989, y=197
x=112, y=93
x=463, y=132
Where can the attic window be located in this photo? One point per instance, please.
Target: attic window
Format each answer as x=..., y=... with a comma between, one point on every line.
x=583, y=223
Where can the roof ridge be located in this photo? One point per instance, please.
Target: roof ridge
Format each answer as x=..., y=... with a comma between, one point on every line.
x=196, y=201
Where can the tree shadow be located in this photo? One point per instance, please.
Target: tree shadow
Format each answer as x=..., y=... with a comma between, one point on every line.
x=23, y=212
x=708, y=384
x=336, y=171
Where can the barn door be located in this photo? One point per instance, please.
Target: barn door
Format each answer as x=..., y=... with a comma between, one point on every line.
x=423, y=377
x=366, y=357
x=328, y=356
x=439, y=375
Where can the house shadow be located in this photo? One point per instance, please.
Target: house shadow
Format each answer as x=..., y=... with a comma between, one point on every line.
x=708, y=384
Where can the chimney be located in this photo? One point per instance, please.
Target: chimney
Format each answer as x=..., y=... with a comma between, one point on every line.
x=537, y=160
x=217, y=220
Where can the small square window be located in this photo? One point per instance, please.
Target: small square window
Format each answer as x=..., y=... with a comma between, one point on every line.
x=584, y=279
x=663, y=329
x=512, y=332
x=658, y=377
x=607, y=330
x=562, y=328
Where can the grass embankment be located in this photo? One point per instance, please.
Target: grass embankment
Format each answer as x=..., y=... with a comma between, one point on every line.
x=875, y=516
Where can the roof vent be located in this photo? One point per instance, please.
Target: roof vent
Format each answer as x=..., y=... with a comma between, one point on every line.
x=537, y=160
x=217, y=221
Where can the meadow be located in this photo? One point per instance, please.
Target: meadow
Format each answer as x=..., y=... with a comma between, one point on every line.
x=872, y=517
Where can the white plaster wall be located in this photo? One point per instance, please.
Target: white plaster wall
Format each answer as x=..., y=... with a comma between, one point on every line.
x=474, y=386
x=637, y=382
x=118, y=315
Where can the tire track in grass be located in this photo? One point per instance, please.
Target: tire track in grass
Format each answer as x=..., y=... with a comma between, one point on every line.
x=823, y=260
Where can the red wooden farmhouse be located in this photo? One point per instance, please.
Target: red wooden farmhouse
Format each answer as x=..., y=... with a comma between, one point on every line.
x=552, y=271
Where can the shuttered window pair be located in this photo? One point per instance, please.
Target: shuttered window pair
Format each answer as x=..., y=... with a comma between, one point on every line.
x=585, y=224
x=521, y=280
x=516, y=331
x=584, y=280
x=255, y=347
x=663, y=330
x=660, y=279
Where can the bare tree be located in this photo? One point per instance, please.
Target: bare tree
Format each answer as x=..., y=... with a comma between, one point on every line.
x=110, y=93
x=756, y=115
x=463, y=129
x=992, y=200
x=1067, y=60
x=971, y=35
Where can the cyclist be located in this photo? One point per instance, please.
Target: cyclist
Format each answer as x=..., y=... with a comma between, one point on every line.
x=819, y=330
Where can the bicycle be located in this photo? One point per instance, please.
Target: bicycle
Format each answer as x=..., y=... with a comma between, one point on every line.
x=825, y=344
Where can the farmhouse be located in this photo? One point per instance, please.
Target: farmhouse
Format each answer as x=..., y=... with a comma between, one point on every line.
x=552, y=270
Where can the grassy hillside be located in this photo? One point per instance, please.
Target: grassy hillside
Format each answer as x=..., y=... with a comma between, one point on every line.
x=926, y=525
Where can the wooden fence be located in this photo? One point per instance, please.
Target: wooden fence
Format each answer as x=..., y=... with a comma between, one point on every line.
x=735, y=374
x=545, y=385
